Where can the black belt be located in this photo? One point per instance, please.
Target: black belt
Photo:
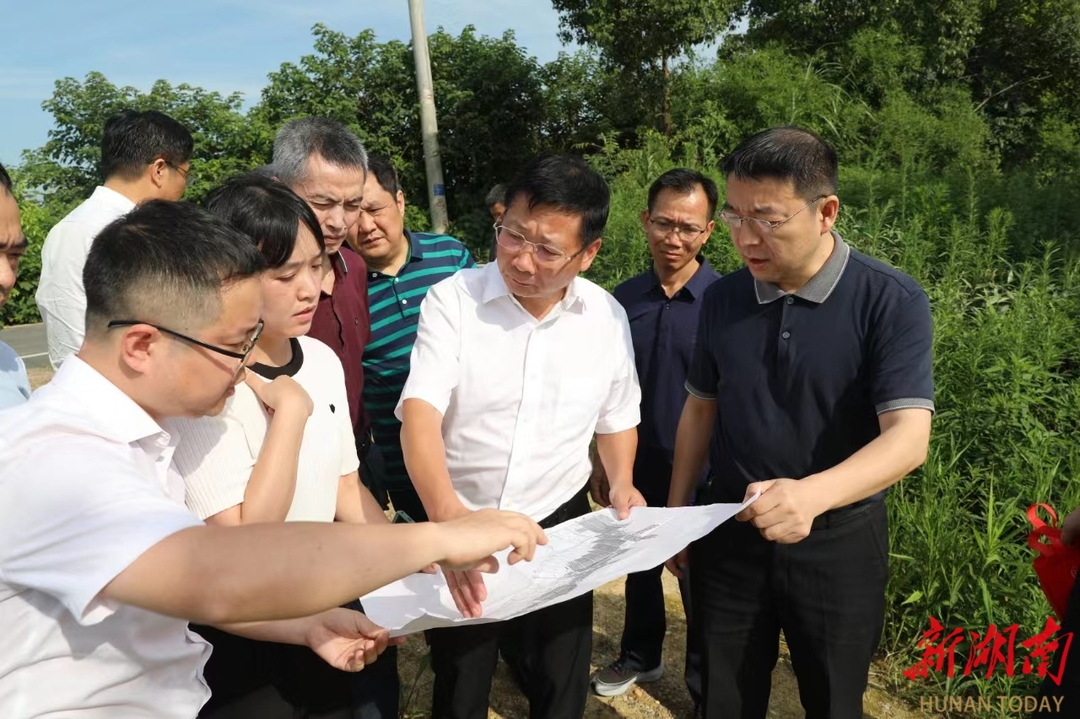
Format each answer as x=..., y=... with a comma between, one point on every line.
x=842, y=515
x=576, y=506
x=828, y=520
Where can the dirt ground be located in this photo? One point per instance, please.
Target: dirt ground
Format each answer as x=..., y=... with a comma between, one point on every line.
x=664, y=699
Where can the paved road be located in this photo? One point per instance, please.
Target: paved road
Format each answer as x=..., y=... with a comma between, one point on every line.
x=29, y=342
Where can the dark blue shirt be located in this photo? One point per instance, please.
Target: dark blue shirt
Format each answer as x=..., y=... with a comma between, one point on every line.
x=394, y=304
x=800, y=379
x=663, y=331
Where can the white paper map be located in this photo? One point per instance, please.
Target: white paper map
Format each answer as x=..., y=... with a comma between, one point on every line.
x=581, y=555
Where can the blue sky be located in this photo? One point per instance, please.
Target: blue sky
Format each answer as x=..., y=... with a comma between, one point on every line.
x=224, y=45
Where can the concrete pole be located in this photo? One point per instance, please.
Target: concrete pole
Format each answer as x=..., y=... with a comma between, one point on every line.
x=429, y=128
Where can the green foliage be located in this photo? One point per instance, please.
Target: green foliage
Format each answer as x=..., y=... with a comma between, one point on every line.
x=67, y=166
x=643, y=36
x=489, y=98
x=960, y=147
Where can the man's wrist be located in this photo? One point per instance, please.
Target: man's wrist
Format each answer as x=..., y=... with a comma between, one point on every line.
x=448, y=509
x=821, y=493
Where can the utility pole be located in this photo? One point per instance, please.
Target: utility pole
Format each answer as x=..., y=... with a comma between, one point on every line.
x=429, y=128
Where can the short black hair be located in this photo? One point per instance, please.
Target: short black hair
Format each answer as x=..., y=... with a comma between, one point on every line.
x=684, y=181
x=165, y=263
x=5, y=179
x=496, y=196
x=567, y=184
x=267, y=212
x=787, y=153
x=134, y=139
x=385, y=173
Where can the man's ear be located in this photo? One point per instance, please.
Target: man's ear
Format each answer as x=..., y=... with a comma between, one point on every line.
x=139, y=344
x=645, y=221
x=400, y=200
x=157, y=171
x=589, y=254
x=829, y=211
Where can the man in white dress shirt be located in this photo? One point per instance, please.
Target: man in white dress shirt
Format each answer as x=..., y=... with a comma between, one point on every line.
x=101, y=566
x=516, y=366
x=144, y=156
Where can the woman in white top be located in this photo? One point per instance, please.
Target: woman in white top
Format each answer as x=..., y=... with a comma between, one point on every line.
x=281, y=450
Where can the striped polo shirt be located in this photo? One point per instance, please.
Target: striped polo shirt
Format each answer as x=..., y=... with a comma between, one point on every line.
x=394, y=304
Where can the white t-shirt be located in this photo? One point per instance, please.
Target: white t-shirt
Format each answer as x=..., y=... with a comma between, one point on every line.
x=61, y=298
x=216, y=454
x=521, y=398
x=86, y=488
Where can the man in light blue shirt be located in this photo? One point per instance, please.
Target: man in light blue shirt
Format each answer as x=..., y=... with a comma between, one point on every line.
x=14, y=385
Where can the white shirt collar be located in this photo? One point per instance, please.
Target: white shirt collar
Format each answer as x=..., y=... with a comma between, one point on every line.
x=494, y=287
x=114, y=415
x=112, y=198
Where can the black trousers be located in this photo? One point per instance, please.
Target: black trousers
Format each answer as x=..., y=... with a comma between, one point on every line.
x=827, y=594
x=645, y=623
x=249, y=679
x=1069, y=689
x=551, y=649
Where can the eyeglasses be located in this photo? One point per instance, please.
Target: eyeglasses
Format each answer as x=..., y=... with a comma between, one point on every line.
x=686, y=233
x=546, y=254
x=188, y=175
x=242, y=355
x=764, y=226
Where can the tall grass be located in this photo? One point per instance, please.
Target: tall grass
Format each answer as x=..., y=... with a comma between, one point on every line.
x=1006, y=305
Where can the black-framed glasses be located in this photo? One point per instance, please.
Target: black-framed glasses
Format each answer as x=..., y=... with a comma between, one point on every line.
x=686, y=233
x=516, y=242
x=188, y=175
x=765, y=226
x=242, y=355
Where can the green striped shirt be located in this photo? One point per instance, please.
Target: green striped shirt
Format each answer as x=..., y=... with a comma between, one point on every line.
x=394, y=304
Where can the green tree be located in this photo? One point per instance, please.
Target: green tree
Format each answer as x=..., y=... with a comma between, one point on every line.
x=489, y=98
x=642, y=37
x=66, y=168
x=1018, y=59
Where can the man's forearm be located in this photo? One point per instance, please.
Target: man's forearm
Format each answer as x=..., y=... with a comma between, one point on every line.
x=425, y=458
x=691, y=448
x=216, y=575
x=616, y=452
x=283, y=631
x=898, y=450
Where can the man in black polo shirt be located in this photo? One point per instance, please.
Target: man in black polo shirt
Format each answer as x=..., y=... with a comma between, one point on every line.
x=813, y=363
x=663, y=306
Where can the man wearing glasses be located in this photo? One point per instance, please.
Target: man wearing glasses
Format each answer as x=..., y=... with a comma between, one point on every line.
x=811, y=383
x=101, y=568
x=144, y=156
x=516, y=366
x=663, y=306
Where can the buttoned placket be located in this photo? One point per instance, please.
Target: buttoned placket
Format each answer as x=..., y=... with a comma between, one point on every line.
x=533, y=380
x=787, y=312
